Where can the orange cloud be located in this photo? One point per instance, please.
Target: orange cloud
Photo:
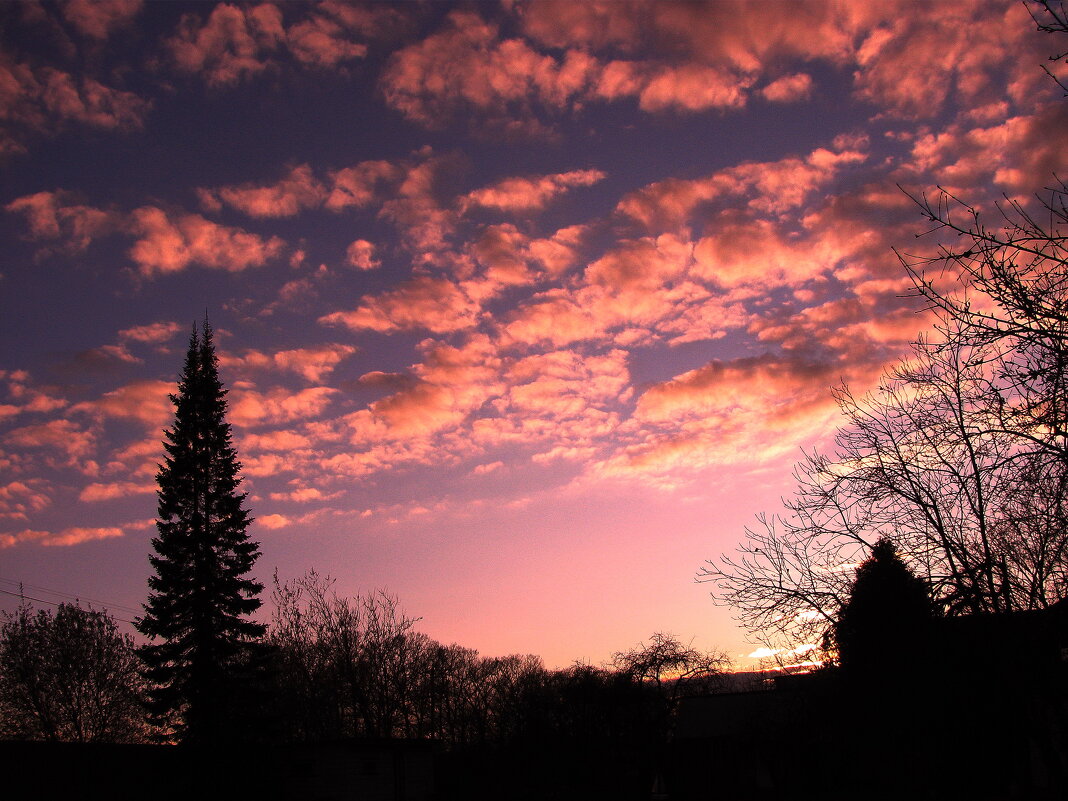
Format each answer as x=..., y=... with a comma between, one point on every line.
x=689, y=87
x=147, y=401
x=913, y=64
x=1017, y=154
x=68, y=536
x=98, y=18
x=322, y=42
x=769, y=187
x=447, y=387
x=273, y=522
x=361, y=255
x=552, y=317
x=59, y=435
x=233, y=44
x=789, y=88
x=758, y=254
x=240, y=42
x=754, y=410
x=43, y=100
x=78, y=535
x=314, y=364
x=304, y=495
x=467, y=65
x=433, y=304
x=21, y=498
x=357, y=186
x=54, y=215
x=169, y=244
x=274, y=441
x=530, y=193
x=151, y=334
x=250, y=408
x=120, y=489
x=298, y=190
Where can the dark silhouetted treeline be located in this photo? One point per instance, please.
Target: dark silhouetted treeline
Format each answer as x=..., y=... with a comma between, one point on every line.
x=335, y=670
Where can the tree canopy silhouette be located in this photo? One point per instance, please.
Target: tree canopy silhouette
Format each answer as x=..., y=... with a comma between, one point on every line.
x=68, y=675
x=201, y=595
x=886, y=616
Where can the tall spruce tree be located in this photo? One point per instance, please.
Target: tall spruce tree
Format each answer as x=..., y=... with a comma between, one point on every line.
x=201, y=595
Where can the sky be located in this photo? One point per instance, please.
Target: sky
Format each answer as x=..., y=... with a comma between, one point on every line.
x=525, y=309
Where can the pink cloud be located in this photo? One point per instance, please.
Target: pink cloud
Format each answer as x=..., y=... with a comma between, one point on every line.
x=140, y=458
x=58, y=435
x=466, y=64
x=271, y=464
x=98, y=18
x=273, y=522
x=770, y=187
x=54, y=215
x=501, y=250
x=361, y=255
x=552, y=317
x=169, y=244
x=19, y=499
x=714, y=53
x=753, y=410
x=78, y=535
x=314, y=364
x=450, y=384
x=240, y=42
x=1017, y=154
x=120, y=489
x=152, y=333
x=433, y=304
x=357, y=186
x=913, y=64
x=530, y=193
x=758, y=254
x=789, y=88
x=88, y=101
x=43, y=99
x=417, y=211
x=567, y=384
x=235, y=43
x=322, y=42
x=297, y=191
x=251, y=408
x=766, y=385
x=26, y=398
x=736, y=34
x=147, y=401
x=304, y=495
x=282, y=440
x=685, y=88
x=559, y=252
x=636, y=286
x=26, y=535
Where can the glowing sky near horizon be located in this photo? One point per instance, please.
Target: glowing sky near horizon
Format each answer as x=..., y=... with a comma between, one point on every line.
x=525, y=309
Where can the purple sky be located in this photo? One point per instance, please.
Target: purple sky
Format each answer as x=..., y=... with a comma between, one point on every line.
x=525, y=309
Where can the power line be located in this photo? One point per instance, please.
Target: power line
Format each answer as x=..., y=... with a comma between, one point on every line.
x=24, y=596
x=69, y=596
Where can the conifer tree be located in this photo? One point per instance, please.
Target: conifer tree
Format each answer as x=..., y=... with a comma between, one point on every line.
x=200, y=595
x=883, y=624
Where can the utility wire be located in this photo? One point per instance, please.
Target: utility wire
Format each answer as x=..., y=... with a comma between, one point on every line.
x=69, y=596
x=24, y=596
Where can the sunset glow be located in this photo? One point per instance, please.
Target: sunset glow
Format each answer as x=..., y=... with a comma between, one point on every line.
x=525, y=309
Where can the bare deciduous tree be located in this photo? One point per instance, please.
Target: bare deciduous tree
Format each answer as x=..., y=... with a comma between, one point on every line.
x=934, y=461
x=69, y=676
x=960, y=458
